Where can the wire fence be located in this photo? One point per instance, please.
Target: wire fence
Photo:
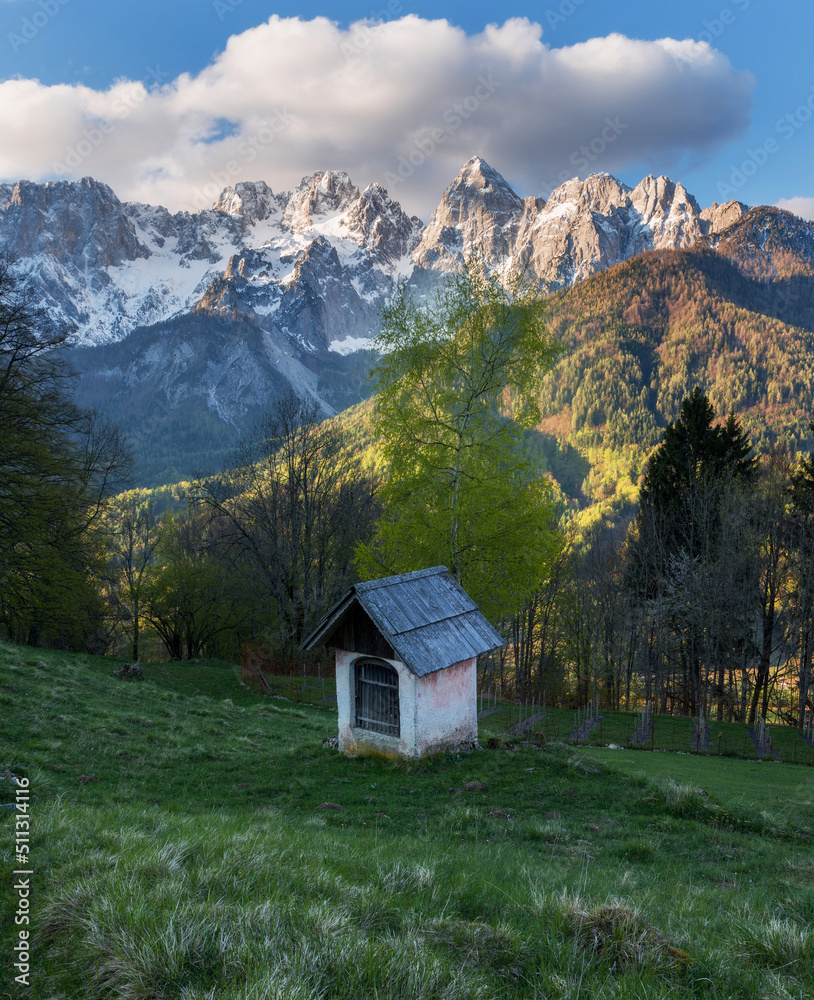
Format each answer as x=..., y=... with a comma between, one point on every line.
x=532, y=718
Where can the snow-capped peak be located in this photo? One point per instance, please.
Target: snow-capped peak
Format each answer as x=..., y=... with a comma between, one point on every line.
x=254, y=200
x=321, y=194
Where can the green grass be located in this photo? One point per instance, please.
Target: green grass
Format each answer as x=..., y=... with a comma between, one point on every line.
x=192, y=839
x=762, y=785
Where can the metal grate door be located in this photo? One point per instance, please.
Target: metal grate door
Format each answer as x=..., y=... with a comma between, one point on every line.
x=377, y=697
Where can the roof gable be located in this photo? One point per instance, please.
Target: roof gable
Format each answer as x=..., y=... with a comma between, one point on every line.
x=426, y=616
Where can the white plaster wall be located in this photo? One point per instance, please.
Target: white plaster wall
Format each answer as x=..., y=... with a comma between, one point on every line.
x=436, y=711
x=447, y=707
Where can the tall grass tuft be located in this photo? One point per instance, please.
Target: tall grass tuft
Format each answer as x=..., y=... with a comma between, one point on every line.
x=778, y=943
x=681, y=800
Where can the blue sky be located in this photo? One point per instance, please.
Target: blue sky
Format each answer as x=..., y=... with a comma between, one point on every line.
x=168, y=101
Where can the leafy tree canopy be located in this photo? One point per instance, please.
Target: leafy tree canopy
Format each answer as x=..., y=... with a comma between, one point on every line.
x=457, y=383
x=59, y=467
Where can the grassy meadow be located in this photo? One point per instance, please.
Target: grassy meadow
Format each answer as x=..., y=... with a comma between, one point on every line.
x=193, y=839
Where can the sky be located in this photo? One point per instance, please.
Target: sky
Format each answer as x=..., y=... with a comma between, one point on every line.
x=170, y=101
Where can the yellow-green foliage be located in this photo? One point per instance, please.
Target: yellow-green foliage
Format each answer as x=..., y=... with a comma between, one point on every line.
x=460, y=489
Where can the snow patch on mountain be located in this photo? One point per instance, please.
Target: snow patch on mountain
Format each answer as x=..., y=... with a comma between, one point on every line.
x=325, y=253
x=264, y=292
x=350, y=345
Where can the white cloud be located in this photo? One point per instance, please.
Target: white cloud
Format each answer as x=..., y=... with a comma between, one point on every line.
x=290, y=97
x=804, y=207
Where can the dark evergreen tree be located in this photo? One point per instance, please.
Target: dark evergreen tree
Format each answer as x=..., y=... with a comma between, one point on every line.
x=695, y=454
x=677, y=560
x=802, y=546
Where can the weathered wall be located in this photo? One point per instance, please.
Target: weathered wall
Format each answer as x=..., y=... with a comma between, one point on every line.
x=447, y=707
x=436, y=711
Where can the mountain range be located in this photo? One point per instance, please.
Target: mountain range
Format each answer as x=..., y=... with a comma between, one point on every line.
x=186, y=326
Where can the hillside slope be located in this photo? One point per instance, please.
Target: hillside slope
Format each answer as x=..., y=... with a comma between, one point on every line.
x=188, y=321
x=738, y=320
x=189, y=838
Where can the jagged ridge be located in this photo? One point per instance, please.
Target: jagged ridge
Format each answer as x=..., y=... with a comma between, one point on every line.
x=291, y=283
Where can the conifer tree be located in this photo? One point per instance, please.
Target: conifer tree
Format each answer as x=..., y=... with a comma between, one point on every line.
x=695, y=452
x=677, y=556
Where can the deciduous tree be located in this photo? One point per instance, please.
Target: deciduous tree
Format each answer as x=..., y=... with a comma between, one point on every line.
x=59, y=467
x=292, y=506
x=456, y=384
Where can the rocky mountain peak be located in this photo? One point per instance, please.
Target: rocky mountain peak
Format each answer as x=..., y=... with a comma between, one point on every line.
x=289, y=286
x=322, y=193
x=668, y=211
x=478, y=179
x=479, y=213
x=254, y=200
x=599, y=192
x=78, y=222
x=659, y=196
x=719, y=217
x=477, y=189
x=382, y=226
x=55, y=192
x=80, y=246
x=767, y=243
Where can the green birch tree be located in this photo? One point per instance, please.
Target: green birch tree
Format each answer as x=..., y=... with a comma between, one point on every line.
x=457, y=387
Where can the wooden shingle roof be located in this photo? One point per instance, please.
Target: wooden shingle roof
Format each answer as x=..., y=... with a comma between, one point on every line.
x=426, y=616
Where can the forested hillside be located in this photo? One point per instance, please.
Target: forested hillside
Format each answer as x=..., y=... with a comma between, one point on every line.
x=263, y=548
x=640, y=336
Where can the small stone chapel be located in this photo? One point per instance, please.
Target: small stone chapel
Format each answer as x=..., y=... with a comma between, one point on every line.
x=406, y=663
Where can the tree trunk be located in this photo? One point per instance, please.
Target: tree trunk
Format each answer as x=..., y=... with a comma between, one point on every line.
x=805, y=679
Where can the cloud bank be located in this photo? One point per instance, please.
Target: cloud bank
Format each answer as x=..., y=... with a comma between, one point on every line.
x=804, y=207
x=404, y=102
